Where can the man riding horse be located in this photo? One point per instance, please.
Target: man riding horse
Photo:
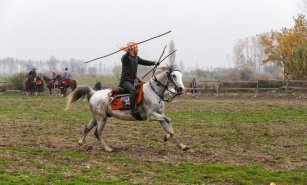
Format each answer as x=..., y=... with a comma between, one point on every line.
x=32, y=75
x=66, y=77
x=30, y=83
x=130, y=61
x=53, y=76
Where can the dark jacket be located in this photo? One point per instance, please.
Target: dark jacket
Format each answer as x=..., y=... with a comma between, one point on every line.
x=130, y=66
x=32, y=74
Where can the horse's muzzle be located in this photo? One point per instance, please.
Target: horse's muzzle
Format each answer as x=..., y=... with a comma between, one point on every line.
x=180, y=90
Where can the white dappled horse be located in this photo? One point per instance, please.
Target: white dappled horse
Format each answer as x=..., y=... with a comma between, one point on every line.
x=151, y=107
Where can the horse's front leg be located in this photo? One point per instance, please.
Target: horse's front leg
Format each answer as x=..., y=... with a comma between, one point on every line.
x=49, y=87
x=167, y=126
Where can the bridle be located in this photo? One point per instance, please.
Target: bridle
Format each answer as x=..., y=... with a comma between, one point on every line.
x=170, y=80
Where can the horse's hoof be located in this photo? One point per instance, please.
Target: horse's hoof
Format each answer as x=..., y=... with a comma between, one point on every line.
x=166, y=137
x=88, y=148
x=80, y=143
x=183, y=147
x=108, y=149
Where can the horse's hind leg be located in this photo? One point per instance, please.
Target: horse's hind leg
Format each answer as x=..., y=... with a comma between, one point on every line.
x=87, y=129
x=101, y=122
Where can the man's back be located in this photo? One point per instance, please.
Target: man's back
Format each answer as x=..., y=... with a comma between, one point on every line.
x=66, y=74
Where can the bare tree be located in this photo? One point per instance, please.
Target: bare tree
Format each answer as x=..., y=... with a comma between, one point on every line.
x=52, y=62
x=173, y=56
x=181, y=66
x=239, y=58
x=249, y=53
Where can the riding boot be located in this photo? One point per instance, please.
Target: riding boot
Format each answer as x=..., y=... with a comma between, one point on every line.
x=134, y=111
x=133, y=105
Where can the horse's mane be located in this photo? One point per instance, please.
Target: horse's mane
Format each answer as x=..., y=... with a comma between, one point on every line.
x=58, y=76
x=166, y=68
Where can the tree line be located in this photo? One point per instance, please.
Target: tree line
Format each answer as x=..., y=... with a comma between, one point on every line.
x=284, y=49
x=10, y=66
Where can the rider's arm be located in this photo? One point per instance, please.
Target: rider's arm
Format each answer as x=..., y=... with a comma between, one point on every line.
x=145, y=62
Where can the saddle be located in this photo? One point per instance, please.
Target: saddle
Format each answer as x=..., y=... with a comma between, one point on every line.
x=122, y=101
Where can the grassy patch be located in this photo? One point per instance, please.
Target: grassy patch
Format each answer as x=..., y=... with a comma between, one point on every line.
x=162, y=173
x=292, y=115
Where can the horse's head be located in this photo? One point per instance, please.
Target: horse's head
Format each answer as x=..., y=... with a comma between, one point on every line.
x=170, y=78
x=175, y=77
x=40, y=76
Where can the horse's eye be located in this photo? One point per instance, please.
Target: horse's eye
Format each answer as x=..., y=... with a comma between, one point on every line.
x=174, y=76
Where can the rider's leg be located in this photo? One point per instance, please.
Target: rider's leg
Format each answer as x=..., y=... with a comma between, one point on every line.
x=131, y=90
x=62, y=84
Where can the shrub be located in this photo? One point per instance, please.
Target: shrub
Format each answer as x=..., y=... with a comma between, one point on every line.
x=18, y=81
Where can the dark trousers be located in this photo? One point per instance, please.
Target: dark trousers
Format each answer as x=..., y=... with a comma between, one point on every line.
x=129, y=87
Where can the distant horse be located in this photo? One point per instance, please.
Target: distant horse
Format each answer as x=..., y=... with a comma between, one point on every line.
x=30, y=85
x=97, y=86
x=39, y=84
x=35, y=85
x=151, y=107
x=50, y=84
x=66, y=84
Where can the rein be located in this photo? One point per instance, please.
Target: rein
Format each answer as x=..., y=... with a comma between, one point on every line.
x=169, y=80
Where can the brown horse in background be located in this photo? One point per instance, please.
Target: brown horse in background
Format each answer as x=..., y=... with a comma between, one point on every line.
x=50, y=84
x=66, y=84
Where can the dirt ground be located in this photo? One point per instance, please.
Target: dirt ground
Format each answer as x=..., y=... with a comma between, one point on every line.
x=273, y=143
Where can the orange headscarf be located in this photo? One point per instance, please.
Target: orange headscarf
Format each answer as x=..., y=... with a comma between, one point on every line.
x=129, y=46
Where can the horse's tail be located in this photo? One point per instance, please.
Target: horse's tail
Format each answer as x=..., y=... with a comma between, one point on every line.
x=78, y=93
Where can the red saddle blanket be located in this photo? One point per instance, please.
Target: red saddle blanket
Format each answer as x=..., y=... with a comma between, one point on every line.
x=38, y=82
x=122, y=101
x=67, y=80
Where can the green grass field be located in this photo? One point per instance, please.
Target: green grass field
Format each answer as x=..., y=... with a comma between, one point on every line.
x=233, y=140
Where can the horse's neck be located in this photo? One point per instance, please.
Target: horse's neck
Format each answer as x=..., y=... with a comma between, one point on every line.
x=162, y=78
x=46, y=79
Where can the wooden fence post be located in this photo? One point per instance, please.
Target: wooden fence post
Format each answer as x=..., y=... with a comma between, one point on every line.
x=287, y=85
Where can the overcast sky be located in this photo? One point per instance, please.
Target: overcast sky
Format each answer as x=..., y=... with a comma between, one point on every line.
x=204, y=31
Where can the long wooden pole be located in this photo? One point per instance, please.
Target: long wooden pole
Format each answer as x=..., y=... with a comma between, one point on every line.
x=160, y=62
x=157, y=62
x=127, y=47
